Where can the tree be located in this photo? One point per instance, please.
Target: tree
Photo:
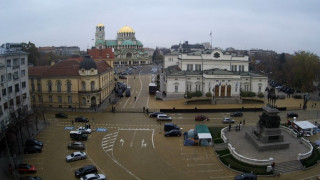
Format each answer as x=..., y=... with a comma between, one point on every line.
x=33, y=55
x=305, y=69
x=157, y=55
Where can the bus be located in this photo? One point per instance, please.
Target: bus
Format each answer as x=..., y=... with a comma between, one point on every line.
x=152, y=88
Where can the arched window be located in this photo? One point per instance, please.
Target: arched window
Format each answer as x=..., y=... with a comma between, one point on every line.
x=69, y=87
x=83, y=101
x=92, y=85
x=49, y=86
x=58, y=86
x=83, y=86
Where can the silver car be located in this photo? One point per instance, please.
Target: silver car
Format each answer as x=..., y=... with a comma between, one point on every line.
x=93, y=176
x=76, y=156
x=163, y=117
x=228, y=121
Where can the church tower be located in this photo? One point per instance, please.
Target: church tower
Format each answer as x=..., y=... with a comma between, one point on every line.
x=100, y=37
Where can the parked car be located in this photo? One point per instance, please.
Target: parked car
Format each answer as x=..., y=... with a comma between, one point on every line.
x=173, y=132
x=163, y=117
x=228, y=121
x=76, y=156
x=236, y=114
x=26, y=168
x=292, y=114
x=61, y=115
x=201, y=118
x=81, y=119
x=76, y=146
x=88, y=169
x=122, y=77
x=249, y=176
x=170, y=126
x=93, y=177
x=32, y=149
x=32, y=142
x=78, y=135
x=30, y=178
x=155, y=114
x=84, y=130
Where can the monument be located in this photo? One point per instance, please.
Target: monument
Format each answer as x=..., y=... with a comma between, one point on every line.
x=267, y=134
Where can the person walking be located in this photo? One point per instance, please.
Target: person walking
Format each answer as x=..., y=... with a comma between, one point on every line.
x=135, y=98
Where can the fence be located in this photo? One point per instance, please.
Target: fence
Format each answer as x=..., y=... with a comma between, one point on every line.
x=134, y=110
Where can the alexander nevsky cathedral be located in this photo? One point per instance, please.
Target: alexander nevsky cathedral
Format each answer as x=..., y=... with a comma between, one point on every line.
x=127, y=49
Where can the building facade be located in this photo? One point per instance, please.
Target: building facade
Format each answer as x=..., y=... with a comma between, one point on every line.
x=216, y=71
x=71, y=84
x=106, y=55
x=66, y=51
x=14, y=82
x=127, y=49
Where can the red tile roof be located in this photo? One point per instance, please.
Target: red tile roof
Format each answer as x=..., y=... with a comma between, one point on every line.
x=101, y=53
x=64, y=68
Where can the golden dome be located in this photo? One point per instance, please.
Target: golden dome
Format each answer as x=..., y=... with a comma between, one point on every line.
x=100, y=25
x=126, y=29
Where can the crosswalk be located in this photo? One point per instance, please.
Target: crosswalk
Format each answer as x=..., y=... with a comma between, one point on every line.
x=108, y=141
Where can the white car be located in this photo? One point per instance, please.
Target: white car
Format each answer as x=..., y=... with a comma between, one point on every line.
x=93, y=176
x=85, y=130
x=76, y=156
x=163, y=117
x=228, y=121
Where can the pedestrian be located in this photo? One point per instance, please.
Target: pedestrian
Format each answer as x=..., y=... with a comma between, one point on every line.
x=244, y=121
x=144, y=108
x=72, y=123
x=273, y=164
x=229, y=127
x=89, y=126
x=135, y=98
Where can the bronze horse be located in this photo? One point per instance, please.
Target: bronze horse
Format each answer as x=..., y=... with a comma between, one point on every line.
x=271, y=96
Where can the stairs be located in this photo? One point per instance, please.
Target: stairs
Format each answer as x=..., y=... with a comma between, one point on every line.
x=219, y=147
x=289, y=166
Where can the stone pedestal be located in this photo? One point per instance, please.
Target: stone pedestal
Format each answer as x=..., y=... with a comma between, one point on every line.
x=267, y=135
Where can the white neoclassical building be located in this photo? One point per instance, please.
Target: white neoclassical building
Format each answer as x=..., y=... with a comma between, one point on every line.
x=222, y=73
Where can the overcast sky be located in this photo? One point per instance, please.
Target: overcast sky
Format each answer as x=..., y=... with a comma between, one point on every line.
x=282, y=26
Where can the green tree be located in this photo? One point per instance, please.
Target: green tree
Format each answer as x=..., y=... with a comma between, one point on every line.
x=157, y=55
x=33, y=56
x=305, y=69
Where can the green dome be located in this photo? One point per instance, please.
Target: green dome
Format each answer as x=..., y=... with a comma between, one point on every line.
x=127, y=42
x=100, y=42
x=139, y=43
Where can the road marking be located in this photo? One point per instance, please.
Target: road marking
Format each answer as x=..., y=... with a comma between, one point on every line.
x=134, y=134
x=121, y=141
x=143, y=144
x=189, y=165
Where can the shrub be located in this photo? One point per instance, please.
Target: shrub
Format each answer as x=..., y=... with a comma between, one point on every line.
x=247, y=94
x=189, y=95
x=197, y=94
x=208, y=94
x=260, y=95
x=297, y=96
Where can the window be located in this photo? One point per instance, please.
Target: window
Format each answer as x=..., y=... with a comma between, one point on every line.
x=92, y=85
x=8, y=62
x=198, y=67
x=22, y=61
x=189, y=67
x=69, y=99
x=17, y=87
x=18, y=100
x=1, y=112
x=32, y=87
x=2, y=79
x=259, y=90
x=69, y=87
x=5, y=105
x=33, y=98
x=39, y=98
x=49, y=86
x=23, y=73
x=197, y=87
x=83, y=101
x=83, y=86
x=216, y=55
x=39, y=86
x=50, y=99
x=59, y=99
x=4, y=92
x=9, y=76
x=188, y=87
x=176, y=88
x=16, y=75
x=59, y=86
x=10, y=89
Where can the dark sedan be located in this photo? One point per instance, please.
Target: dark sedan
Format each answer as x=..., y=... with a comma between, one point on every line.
x=173, y=132
x=32, y=142
x=32, y=149
x=81, y=119
x=26, y=168
x=122, y=77
x=201, y=118
x=236, y=114
x=155, y=114
x=76, y=146
x=292, y=114
x=61, y=115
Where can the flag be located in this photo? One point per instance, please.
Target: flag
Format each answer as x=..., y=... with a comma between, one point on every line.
x=210, y=33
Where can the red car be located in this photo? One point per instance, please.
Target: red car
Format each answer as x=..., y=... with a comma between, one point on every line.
x=27, y=168
x=201, y=118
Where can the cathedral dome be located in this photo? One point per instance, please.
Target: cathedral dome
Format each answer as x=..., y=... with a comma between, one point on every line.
x=87, y=63
x=100, y=25
x=126, y=29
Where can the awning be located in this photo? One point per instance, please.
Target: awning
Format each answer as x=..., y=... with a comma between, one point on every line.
x=204, y=136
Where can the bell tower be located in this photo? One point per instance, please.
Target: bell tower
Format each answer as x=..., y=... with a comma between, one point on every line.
x=100, y=37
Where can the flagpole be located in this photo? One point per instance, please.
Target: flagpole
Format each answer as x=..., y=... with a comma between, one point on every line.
x=211, y=39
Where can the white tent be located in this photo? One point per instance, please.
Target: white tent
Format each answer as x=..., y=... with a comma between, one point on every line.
x=305, y=126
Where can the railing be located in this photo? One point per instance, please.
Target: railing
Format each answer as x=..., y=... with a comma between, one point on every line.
x=290, y=131
x=247, y=160
x=308, y=145
x=135, y=110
